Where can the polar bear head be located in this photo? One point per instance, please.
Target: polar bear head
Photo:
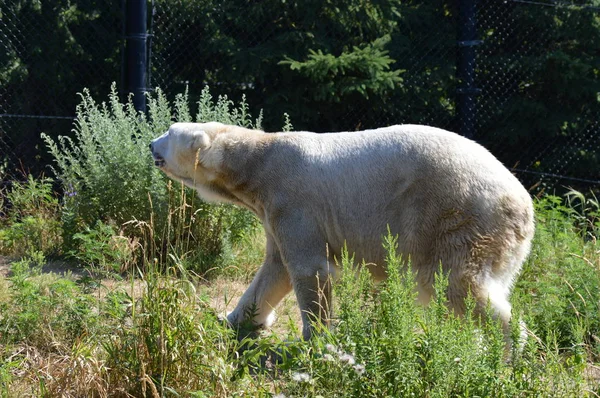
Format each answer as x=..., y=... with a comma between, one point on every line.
x=187, y=152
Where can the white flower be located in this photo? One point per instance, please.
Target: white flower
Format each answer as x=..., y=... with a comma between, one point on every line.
x=279, y=396
x=331, y=348
x=359, y=369
x=457, y=360
x=328, y=357
x=301, y=377
x=348, y=359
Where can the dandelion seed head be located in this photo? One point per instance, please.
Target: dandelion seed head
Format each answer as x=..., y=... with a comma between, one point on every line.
x=301, y=377
x=328, y=357
x=359, y=369
x=330, y=348
x=348, y=359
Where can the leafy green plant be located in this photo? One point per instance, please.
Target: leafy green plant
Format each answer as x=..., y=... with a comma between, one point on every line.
x=30, y=265
x=31, y=220
x=102, y=249
x=105, y=169
x=108, y=175
x=384, y=344
x=43, y=309
x=560, y=280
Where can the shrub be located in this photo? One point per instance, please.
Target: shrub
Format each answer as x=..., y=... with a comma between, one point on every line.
x=31, y=220
x=560, y=280
x=103, y=249
x=43, y=310
x=107, y=174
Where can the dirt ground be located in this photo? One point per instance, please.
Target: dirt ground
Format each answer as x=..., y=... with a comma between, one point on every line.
x=223, y=292
x=60, y=268
x=4, y=266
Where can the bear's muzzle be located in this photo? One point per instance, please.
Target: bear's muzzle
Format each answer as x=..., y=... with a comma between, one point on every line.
x=159, y=161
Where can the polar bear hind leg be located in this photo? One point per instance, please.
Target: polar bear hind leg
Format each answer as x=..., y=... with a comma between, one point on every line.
x=491, y=293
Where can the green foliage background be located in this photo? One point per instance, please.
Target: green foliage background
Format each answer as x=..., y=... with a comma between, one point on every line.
x=49, y=52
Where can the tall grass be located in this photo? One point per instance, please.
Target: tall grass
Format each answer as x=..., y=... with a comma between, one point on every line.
x=157, y=336
x=165, y=341
x=560, y=282
x=170, y=341
x=386, y=345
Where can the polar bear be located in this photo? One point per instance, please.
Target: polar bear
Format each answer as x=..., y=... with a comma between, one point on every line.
x=445, y=197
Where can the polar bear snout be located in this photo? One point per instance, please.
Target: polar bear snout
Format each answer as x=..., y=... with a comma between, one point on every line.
x=159, y=161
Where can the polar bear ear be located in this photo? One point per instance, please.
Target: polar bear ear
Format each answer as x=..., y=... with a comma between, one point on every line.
x=201, y=141
x=206, y=155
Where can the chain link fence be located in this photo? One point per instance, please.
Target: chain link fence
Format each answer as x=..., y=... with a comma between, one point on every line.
x=203, y=43
x=534, y=96
x=50, y=51
x=539, y=105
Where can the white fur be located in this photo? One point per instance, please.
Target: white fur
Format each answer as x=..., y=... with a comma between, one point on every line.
x=446, y=198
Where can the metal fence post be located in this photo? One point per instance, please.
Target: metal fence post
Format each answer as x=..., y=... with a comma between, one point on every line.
x=465, y=69
x=136, y=59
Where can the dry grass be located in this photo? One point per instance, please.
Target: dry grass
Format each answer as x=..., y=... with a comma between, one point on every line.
x=56, y=370
x=4, y=289
x=224, y=294
x=78, y=372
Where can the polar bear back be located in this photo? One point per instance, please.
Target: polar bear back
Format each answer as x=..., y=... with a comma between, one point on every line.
x=436, y=190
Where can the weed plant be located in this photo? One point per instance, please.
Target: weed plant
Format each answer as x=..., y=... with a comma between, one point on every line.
x=42, y=309
x=109, y=182
x=385, y=345
x=57, y=339
x=561, y=279
x=104, y=250
x=172, y=342
x=31, y=220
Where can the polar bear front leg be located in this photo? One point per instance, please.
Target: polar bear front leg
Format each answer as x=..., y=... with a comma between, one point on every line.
x=268, y=288
x=304, y=253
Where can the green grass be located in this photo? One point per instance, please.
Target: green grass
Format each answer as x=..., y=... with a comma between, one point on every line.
x=560, y=282
x=156, y=334
x=33, y=220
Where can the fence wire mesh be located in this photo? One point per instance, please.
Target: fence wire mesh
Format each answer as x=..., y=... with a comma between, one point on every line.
x=237, y=47
x=538, y=109
x=50, y=51
x=535, y=100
